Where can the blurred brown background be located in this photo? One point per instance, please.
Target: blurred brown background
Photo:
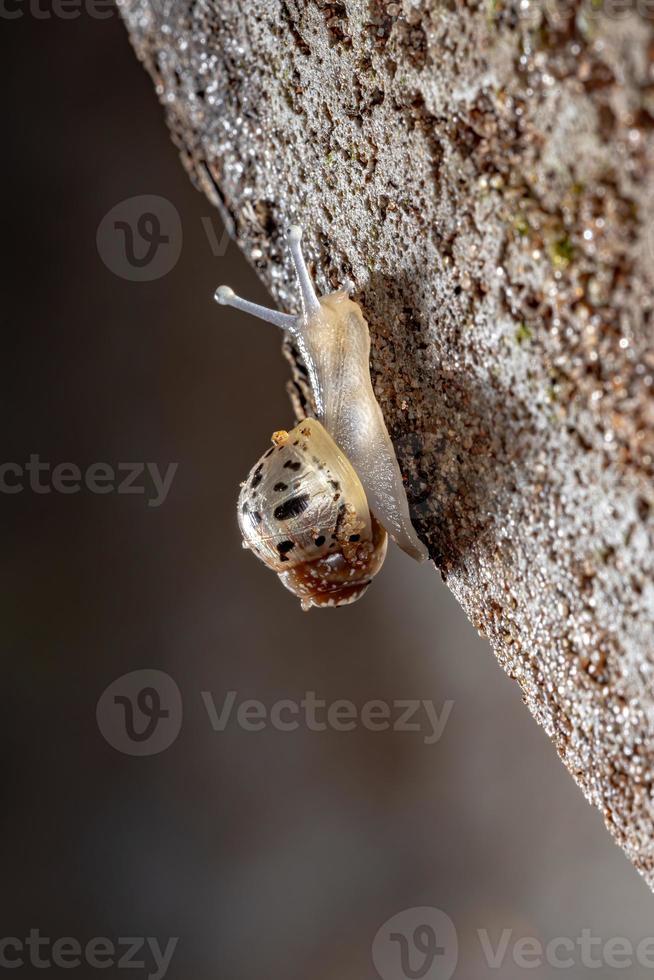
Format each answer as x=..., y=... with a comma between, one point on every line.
x=266, y=853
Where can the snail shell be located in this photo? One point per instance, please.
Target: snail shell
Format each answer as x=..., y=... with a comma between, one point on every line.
x=303, y=511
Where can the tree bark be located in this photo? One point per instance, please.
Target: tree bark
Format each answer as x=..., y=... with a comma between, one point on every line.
x=484, y=172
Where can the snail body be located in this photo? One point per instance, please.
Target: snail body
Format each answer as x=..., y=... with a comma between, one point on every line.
x=317, y=506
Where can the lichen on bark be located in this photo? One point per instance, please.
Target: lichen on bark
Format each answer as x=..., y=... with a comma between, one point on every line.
x=484, y=172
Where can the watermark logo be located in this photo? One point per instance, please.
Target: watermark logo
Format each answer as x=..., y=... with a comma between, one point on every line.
x=100, y=478
x=416, y=944
x=140, y=713
x=565, y=952
x=59, y=9
x=140, y=239
x=422, y=944
x=98, y=953
x=318, y=715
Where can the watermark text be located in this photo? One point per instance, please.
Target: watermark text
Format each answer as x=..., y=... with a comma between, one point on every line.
x=100, y=478
x=99, y=953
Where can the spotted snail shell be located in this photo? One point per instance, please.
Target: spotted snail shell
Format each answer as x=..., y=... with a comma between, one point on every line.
x=303, y=511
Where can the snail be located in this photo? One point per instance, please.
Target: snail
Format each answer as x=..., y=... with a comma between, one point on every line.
x=318, y=505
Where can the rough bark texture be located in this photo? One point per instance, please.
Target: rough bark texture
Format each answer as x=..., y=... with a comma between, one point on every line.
x=484, y=171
